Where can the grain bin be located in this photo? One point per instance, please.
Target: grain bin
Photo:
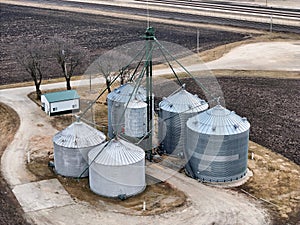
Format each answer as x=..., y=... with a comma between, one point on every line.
x=174, y=111
x=117, y=168
x=136, y=118
x=71, y=147
x=115, y=103
x=217, y=145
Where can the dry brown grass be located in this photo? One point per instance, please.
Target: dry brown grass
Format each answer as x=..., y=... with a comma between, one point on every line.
x=258, y=73
x=277, y=180
x=30, y=83
x=9, y=124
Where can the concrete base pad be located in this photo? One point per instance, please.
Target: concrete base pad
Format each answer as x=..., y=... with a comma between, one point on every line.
x=232, y=184
x=42, y=195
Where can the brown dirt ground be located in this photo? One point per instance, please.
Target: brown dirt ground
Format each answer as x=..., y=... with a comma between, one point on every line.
x=159, y=196
x=270, y=105
x=10, y=210
x=94, y=32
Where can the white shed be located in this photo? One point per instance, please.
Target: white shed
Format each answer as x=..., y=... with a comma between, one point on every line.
x=60, y=102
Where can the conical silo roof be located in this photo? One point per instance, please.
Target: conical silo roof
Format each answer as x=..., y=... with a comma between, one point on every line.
x=183, y=102
x=117, y=153
x=124, y=92
x=136, y=104
x=218, y=121
x=79, y=135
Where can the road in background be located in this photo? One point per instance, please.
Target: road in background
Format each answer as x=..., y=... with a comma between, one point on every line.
x=170, y=12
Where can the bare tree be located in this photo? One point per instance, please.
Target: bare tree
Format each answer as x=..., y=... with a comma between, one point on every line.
x=111, y=64
x=69, y=56
x=125, y=75
x=33, y=58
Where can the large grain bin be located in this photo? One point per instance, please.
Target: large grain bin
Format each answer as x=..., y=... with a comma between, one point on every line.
x=115, y=103
x=174, y=111
x=136, y=118
x=217, y=145
x=117, y=168
x=71, y=147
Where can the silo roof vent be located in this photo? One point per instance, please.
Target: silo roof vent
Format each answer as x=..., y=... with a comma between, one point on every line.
x=218, y=121
x=183, y=102
x=117, y=153
x=79, y=135
x=123, y=93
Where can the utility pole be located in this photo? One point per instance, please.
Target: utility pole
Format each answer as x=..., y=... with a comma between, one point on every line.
x=198, y=37
x=271, y=23
x=90, y=82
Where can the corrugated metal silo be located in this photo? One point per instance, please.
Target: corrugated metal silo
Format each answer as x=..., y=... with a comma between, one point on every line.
x=117, y=168
x=71, y=147
x=174, y=111
x=136, y=118
x=115, y=104
x=217, y=145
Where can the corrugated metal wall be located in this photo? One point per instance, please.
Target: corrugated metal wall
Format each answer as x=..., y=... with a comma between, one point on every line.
x=71, y=147
x=136, y=119
x=173, y=113
x=216, y=145
x=217, y=158
x=71, y=162
x=173, y=126
x=117, y=169
x=112, y=181
x=115, y=104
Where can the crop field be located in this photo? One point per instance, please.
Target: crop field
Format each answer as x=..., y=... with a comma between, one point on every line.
x=94, y=33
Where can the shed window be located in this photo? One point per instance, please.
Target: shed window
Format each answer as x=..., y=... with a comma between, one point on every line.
x=74, y=106
x=54, y=109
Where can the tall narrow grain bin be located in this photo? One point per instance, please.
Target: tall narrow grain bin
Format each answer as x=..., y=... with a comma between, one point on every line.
x=136, y=118
x=71, y=147
x=115, y=103
x=217, y=145
x=174, y=111
x=117, y=168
